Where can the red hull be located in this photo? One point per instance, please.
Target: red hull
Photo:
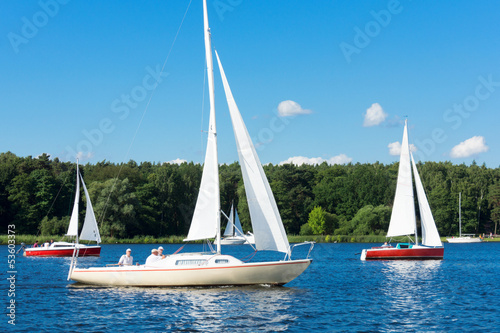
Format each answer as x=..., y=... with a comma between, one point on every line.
x=67, y=252
x=414, y=253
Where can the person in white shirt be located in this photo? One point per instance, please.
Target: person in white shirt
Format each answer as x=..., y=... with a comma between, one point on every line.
x=160, y=253
x=153, y=257
x=126, y=259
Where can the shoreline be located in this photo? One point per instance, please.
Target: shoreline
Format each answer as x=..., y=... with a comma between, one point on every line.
x=30, y=239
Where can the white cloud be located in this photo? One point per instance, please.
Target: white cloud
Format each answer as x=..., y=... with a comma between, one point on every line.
x=290, y=108
x=469, y=147
x=299, y=160
x=177, y=161
x=374, y=115
x=395, y=148
x=82, y=156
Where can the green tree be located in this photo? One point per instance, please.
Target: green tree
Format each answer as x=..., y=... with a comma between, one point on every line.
x=317, y=220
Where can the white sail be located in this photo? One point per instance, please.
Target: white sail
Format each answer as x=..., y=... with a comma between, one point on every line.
x=430, y=234
x=73, y=222
x=230, y=224
x=233, y=224
x=90, y=231
x=403, y=220
x=206, y=217
x=266, y=220
x=237, y=223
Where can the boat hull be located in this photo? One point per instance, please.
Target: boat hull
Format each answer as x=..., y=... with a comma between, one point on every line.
x=233, y=241
x=458, y=240
x=170, y=275
x=85, y=251
x=392, y=253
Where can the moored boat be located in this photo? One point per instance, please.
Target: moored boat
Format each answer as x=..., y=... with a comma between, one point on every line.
x=466, y=238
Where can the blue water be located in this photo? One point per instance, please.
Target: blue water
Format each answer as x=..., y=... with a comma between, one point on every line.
x=337, y=293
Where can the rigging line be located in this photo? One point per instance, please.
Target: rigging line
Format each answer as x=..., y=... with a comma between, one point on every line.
x=144, y=112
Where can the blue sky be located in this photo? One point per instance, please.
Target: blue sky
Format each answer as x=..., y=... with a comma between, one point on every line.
x=314, y=80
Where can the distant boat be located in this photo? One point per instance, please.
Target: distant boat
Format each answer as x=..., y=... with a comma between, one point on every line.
x=466, y=238
x=215, y=268
x=90, y=231
x=403, y=219
x=233, y=235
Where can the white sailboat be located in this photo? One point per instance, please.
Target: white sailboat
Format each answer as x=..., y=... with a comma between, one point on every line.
x=90, y=231
x=233, y=235
x=403, y=219
x=215, y=268
x=466, y=238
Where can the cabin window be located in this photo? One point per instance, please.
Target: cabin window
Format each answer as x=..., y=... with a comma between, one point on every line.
x=189, y=262
x=221, y=261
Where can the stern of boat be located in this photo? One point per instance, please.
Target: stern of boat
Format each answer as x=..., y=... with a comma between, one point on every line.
x=363, y=254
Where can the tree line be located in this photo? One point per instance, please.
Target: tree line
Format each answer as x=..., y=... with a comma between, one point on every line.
x=158, y=199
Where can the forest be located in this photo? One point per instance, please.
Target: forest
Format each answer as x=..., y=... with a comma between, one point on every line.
x=158, y=199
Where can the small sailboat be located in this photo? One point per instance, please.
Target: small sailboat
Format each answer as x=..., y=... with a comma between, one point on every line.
x=403, y=219
x=90, y=231
x=214, y=268
x=233, y=235
x=466, y=238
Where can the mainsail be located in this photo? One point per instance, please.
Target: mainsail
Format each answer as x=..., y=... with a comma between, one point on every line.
x=403, y=221
x=430, y=234
x=206, y=217
x=73, y=222
x=266, y=220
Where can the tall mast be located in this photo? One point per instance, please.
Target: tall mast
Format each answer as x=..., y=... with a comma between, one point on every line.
x=212, y=130
x=77, y=197
x=415, y=219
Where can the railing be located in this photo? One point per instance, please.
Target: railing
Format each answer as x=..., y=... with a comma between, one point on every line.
x=300, y=244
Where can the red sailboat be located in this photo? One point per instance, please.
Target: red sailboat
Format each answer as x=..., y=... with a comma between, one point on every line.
x=90, y=232
x=403, y=219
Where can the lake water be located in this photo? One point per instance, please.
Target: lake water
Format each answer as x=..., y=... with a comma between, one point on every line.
x=337, y=293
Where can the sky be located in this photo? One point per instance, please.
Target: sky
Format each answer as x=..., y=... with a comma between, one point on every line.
x=314, y=80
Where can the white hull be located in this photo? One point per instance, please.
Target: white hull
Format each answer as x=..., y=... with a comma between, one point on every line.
x=211, y=270
x=464, y=240
x=233, y=240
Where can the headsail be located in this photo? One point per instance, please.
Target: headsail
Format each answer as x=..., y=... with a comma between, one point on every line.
x=206, y=217
x=73, y=222
x=90, y=230
x=430, y=234
x=266, y=220
x=403, y=220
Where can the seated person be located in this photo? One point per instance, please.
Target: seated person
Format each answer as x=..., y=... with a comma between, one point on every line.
x=126, y=259
x=153, y=257
x=160, y=253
